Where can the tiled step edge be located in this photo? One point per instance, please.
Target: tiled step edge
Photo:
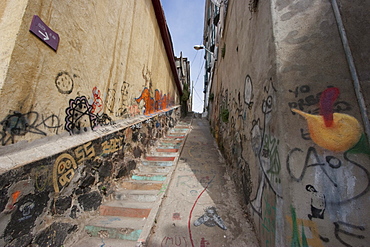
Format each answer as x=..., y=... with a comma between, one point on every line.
x=141, y=242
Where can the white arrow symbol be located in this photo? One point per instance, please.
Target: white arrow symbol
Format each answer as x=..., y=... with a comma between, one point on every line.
x=46, y=36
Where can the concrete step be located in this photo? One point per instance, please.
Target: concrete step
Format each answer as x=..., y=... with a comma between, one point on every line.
x=124, y=211
x=129, y=204
x=179, y=131
x=169, y=145
x=156, y=163
x=149, y=176
x=106, y=242
x=167, y=150
x=136, y=195
x=141, y=185
x=160, y=158
x=115, y=227
x=159, y=154
x=172, y=141
x=182, y=125
x=154, y=169
x=176, y=137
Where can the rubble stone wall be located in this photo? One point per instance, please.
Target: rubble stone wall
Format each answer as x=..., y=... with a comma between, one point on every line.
x=47, y=201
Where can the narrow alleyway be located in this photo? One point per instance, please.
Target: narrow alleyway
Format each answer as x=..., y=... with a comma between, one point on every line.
x=179, y=195
x=201, y=207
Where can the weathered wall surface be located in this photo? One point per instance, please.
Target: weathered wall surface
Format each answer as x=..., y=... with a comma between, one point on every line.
x=43, y=202
x=11, y=13
x=76, y=120
x=110, y=65
x=302, y=179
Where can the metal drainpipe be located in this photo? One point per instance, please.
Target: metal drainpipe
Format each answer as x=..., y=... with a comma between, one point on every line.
x=352, y=68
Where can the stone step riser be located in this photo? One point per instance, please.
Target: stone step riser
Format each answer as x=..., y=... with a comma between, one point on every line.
x=168, y=145
x=163, y=154
x=167, y=150
x=157, y=163
x=136, y=197
x=149, y=177
x=116, y=233
x=155, y=169
x=160, y=158
x=134, y=185
x=124, y=212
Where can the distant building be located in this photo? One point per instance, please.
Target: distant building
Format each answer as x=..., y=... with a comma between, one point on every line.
x=183, y=71
x=215, y=12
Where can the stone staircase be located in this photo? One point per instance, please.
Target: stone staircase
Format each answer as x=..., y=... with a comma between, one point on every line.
x=127, y=219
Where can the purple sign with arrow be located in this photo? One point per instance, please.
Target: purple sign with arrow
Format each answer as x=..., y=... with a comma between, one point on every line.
x=43, y=32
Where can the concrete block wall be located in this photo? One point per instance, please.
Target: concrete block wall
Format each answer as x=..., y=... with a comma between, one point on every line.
x=111, y=64
x=47, y=201
x=305, y=180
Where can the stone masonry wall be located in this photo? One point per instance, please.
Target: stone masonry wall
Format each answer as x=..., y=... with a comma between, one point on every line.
x=45, y=201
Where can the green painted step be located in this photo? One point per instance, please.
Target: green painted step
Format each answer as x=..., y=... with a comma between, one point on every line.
x=156, y=163
x=149, y=177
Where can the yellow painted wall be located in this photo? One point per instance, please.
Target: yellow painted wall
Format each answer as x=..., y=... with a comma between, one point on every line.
x=109, y=52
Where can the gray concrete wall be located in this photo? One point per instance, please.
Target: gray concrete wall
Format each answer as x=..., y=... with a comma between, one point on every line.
x=302, y=181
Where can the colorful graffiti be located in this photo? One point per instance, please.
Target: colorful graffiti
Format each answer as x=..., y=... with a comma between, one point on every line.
x=299, y=238
x=266, y=149
x=79, y=116
x=20, y=124
x=97, y=105
x=337, y=132
x=153, y=104
x=65, y=165
x=210, y=218
x=64, y=83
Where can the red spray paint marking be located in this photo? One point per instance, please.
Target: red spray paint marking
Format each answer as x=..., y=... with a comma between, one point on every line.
x=15, y=196
x=192, y=209
x=327, y=100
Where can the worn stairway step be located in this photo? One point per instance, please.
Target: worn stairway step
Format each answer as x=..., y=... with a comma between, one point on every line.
x=169, y=145
x=124, y=211
x=154, y=169
x=130, y=204
x=160, y=158
x=164, y=154
x=182, y=124
x=106, y=242
x=175, y=137
x=172, y=141
x=156, y=163
x=136, y=195
x=149, y=176
x=141, y=185
x=179, y=130
x=167, y=150
x=125, y=228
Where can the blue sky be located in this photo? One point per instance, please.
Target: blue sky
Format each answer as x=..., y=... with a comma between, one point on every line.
x=185, y=19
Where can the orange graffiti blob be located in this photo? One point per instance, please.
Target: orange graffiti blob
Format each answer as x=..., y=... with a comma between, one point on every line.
x=344, y=132
x=15, y=195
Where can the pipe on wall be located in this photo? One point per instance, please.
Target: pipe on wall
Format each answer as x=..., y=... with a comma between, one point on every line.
x=352, y=68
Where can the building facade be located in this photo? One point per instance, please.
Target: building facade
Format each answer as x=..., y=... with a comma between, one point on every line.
x=287, y=102
x=183, y=71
